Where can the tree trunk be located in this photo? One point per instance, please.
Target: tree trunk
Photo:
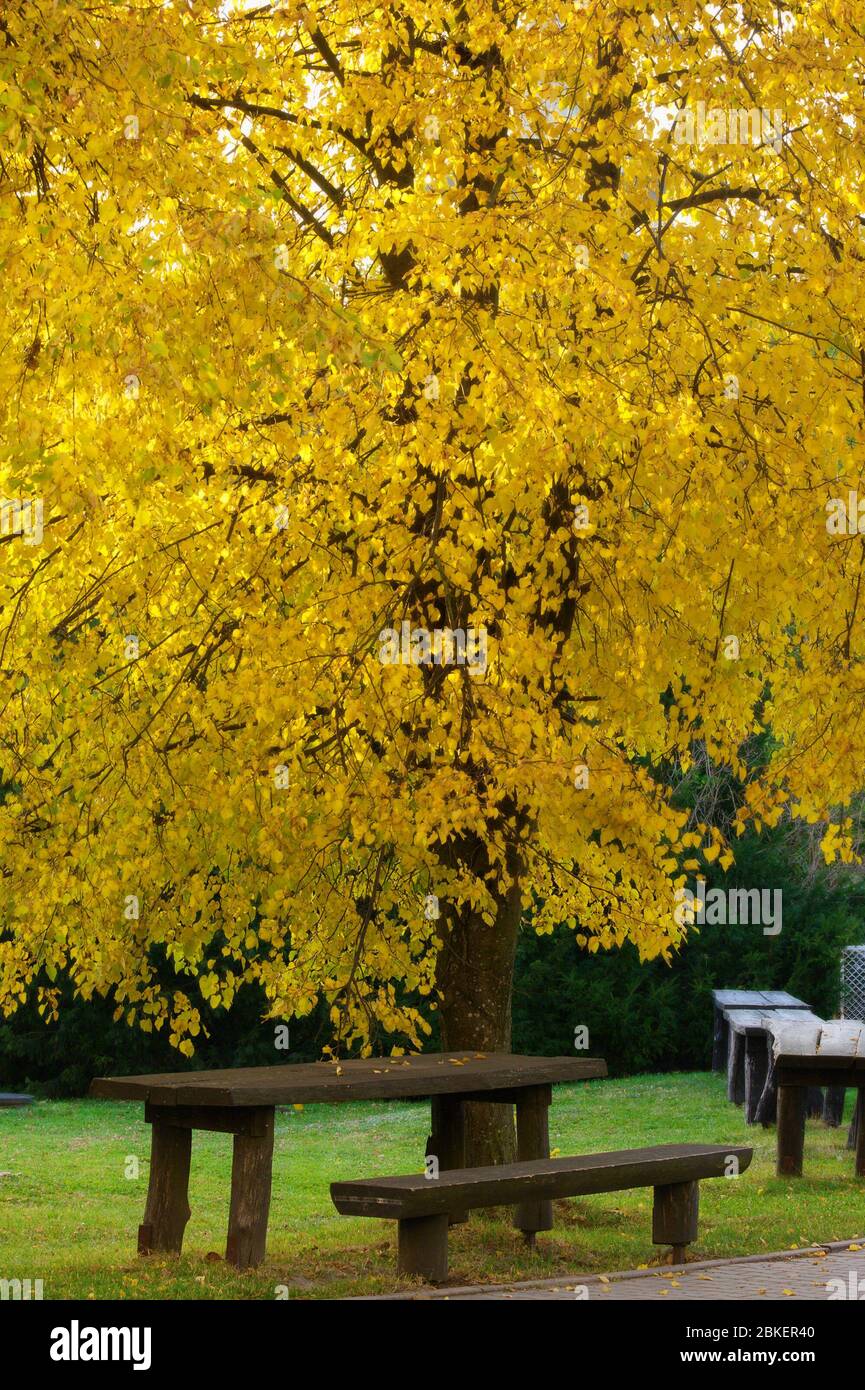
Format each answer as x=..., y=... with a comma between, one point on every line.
x=475, y=976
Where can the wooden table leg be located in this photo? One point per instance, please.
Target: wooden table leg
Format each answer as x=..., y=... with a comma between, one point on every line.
x=533, y=1141
x=855, y=1125
x=860, y=1136
x=167, y=1209
x=756, y=1071
x=736, y=1068
x=833, y=1109
x=767, y=1105
x=814, y=1103
x=251, y=1172
x=791, y=1131
x=719, y=1041
x=447, y=1142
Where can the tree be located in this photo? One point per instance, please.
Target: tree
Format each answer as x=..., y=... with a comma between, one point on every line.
x=435, y=418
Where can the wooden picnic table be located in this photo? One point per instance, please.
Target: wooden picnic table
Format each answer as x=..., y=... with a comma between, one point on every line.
x=762, y=1000
x=815, y=1054
x=242, y=1101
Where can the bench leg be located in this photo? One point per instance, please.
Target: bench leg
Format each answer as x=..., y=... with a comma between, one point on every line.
x=756, y=1071
x=423, y=1247
x=533, y=1141
x=447, y=1142
x=251, y=1171
x=791, y=1131
x=675, y=1216
x=167, y=1209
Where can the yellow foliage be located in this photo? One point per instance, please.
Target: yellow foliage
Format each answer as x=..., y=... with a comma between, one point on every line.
x=318, y=322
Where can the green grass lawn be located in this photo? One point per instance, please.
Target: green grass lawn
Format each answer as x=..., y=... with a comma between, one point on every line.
x=69, y=1215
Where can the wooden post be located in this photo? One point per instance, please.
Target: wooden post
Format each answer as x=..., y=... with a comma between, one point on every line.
x=251, y=1173
x=675, y=1216
x=447, y=1142
x=833, y=1107
x=736, y=1068
x=791, y=1131
x=533, y=1141
x=423, y=1247
x=719, y=1041
x=756, y=1071
x=860, y=1137
x=167, y=1210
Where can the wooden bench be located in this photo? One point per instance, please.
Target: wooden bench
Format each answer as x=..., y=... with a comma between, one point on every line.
x=9, y=1101
x=422, y=1205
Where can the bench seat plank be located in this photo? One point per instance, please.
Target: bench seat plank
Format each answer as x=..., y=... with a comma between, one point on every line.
x=413, y=1194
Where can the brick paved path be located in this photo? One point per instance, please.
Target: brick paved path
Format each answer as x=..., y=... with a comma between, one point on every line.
x=802, y=1274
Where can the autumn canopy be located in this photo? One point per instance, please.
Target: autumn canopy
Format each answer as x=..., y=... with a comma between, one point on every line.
x=531, y=327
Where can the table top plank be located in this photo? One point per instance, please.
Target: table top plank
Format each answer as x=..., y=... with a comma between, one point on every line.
x=780, y=999
x=756, y=999
x=796, y=1039
x=840, y=1039
x=737, y=998
x=837, y=1044
x=368, y=1078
